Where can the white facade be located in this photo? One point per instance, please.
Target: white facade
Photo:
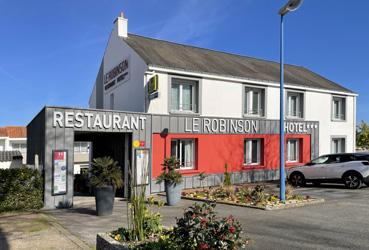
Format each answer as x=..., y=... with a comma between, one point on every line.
x=11, y=144
x=220, y=96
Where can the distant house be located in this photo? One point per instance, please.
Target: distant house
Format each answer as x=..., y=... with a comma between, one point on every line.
x=14, y=138
x=10, y=159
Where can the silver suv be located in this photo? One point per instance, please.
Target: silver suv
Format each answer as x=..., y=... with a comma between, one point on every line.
x=351, y=169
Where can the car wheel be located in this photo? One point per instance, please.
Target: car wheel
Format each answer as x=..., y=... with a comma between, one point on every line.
x=352, y=180
x=297, y=179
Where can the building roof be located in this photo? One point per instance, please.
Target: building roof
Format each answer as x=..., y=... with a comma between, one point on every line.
x=183, y=57
x=10, y=155
x=13, y=132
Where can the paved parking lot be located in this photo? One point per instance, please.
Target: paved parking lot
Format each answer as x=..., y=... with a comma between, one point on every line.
x=342, y=222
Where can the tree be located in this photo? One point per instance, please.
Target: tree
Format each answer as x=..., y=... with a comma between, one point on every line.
x=362, y=135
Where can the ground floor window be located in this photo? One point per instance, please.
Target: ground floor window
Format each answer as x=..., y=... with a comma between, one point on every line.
x=252, y=152
x=184, y=151
x=338, y=145
x=293, y=150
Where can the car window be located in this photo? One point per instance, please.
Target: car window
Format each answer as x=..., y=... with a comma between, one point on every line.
x=346, y=158
x=362, y=157
x=321, y=160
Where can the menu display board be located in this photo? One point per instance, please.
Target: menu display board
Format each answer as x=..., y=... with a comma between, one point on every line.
x=142, y=166
x=60, y=168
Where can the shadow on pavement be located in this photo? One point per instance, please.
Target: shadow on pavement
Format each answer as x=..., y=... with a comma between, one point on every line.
x=4, y=245
x=81, y=210
x=330, y=185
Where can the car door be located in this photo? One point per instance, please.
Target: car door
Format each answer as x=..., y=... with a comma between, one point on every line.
x=314, y=170
x=335, y=169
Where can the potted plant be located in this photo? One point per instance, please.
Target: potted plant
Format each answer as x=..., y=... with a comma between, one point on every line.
x=106, y=177
x=172, y=180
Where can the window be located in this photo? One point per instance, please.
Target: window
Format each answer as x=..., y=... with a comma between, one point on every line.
x=293, y=150
x=184, y=151
x=112, y=101
x=295, y=105
x=254, y=103
x=339, y=108
x=22, y=147
x=338, y=145
x=81, y=147
x=184, y=95
x=252, y=152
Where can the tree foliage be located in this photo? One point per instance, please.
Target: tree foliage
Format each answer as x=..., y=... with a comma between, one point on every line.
x=362, y=135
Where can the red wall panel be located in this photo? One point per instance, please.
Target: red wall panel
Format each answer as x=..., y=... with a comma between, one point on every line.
x=214, y=151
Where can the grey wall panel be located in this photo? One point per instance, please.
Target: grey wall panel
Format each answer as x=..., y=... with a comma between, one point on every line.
x=49, y=201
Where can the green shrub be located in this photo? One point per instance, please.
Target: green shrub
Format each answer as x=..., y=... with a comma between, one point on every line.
x=227, y=176
x=201, y=229
x=20, y=189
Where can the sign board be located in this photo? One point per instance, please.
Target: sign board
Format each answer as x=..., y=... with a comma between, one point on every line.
x=153, y=84
x=60, y=175
x=142, y=166
x=93, y=120
x=117, y=75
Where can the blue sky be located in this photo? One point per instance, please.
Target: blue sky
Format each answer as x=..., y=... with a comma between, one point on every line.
x=50, y=50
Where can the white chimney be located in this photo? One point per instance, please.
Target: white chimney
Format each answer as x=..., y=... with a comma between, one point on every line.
x=121, y=25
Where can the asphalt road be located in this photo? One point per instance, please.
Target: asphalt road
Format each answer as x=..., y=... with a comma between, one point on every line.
x=342, y=222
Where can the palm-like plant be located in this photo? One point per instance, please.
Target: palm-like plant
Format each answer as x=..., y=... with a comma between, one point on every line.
x=105, y=171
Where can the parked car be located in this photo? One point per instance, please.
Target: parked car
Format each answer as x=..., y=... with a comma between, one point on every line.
x=351, y=169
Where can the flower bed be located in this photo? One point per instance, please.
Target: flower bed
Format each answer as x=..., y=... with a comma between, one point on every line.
x=254, y=197
x=199, y=228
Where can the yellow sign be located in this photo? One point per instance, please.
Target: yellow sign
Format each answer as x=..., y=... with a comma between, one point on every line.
x=136, y=143
x=153, y=84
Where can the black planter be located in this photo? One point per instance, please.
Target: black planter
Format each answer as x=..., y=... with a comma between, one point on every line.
x=104, y=198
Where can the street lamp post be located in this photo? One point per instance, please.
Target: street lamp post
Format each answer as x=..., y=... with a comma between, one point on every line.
x=292, y=5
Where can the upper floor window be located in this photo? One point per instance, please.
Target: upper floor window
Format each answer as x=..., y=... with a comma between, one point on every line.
x=184, y=151
x=338, y=145
x=184, y=95
x=339, y=108
x=252, y=151
x=81, y=147
x=293, y=150
x=254, y=103
x=22, y=147
x=295, y=105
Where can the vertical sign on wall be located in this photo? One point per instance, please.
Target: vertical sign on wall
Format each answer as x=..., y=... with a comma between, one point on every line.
x=60, y=167
x=142, y=166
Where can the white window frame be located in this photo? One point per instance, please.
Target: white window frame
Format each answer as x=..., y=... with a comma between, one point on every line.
x=195, y=95
x=178, y=153
x=248, y=101
x=297, y=150
x=79, y=145
x=341, y=116
x=247, y=152
x=341, y=143
x=300, y=104
x=18, y=146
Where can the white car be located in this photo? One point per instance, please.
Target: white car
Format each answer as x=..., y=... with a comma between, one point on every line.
x=351, y=169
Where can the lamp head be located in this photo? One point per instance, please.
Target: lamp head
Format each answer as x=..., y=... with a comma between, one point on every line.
x=292, y=5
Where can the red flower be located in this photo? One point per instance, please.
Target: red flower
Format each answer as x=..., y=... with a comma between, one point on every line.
x=203, y=221
x=203, y=245
x=232, y=229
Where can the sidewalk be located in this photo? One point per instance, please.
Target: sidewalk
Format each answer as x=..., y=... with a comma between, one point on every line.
x=35, y=231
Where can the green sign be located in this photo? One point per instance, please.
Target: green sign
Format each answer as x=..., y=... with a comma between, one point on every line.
x=153, y=84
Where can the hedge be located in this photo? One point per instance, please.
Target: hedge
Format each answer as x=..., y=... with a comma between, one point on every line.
x=20, y=189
